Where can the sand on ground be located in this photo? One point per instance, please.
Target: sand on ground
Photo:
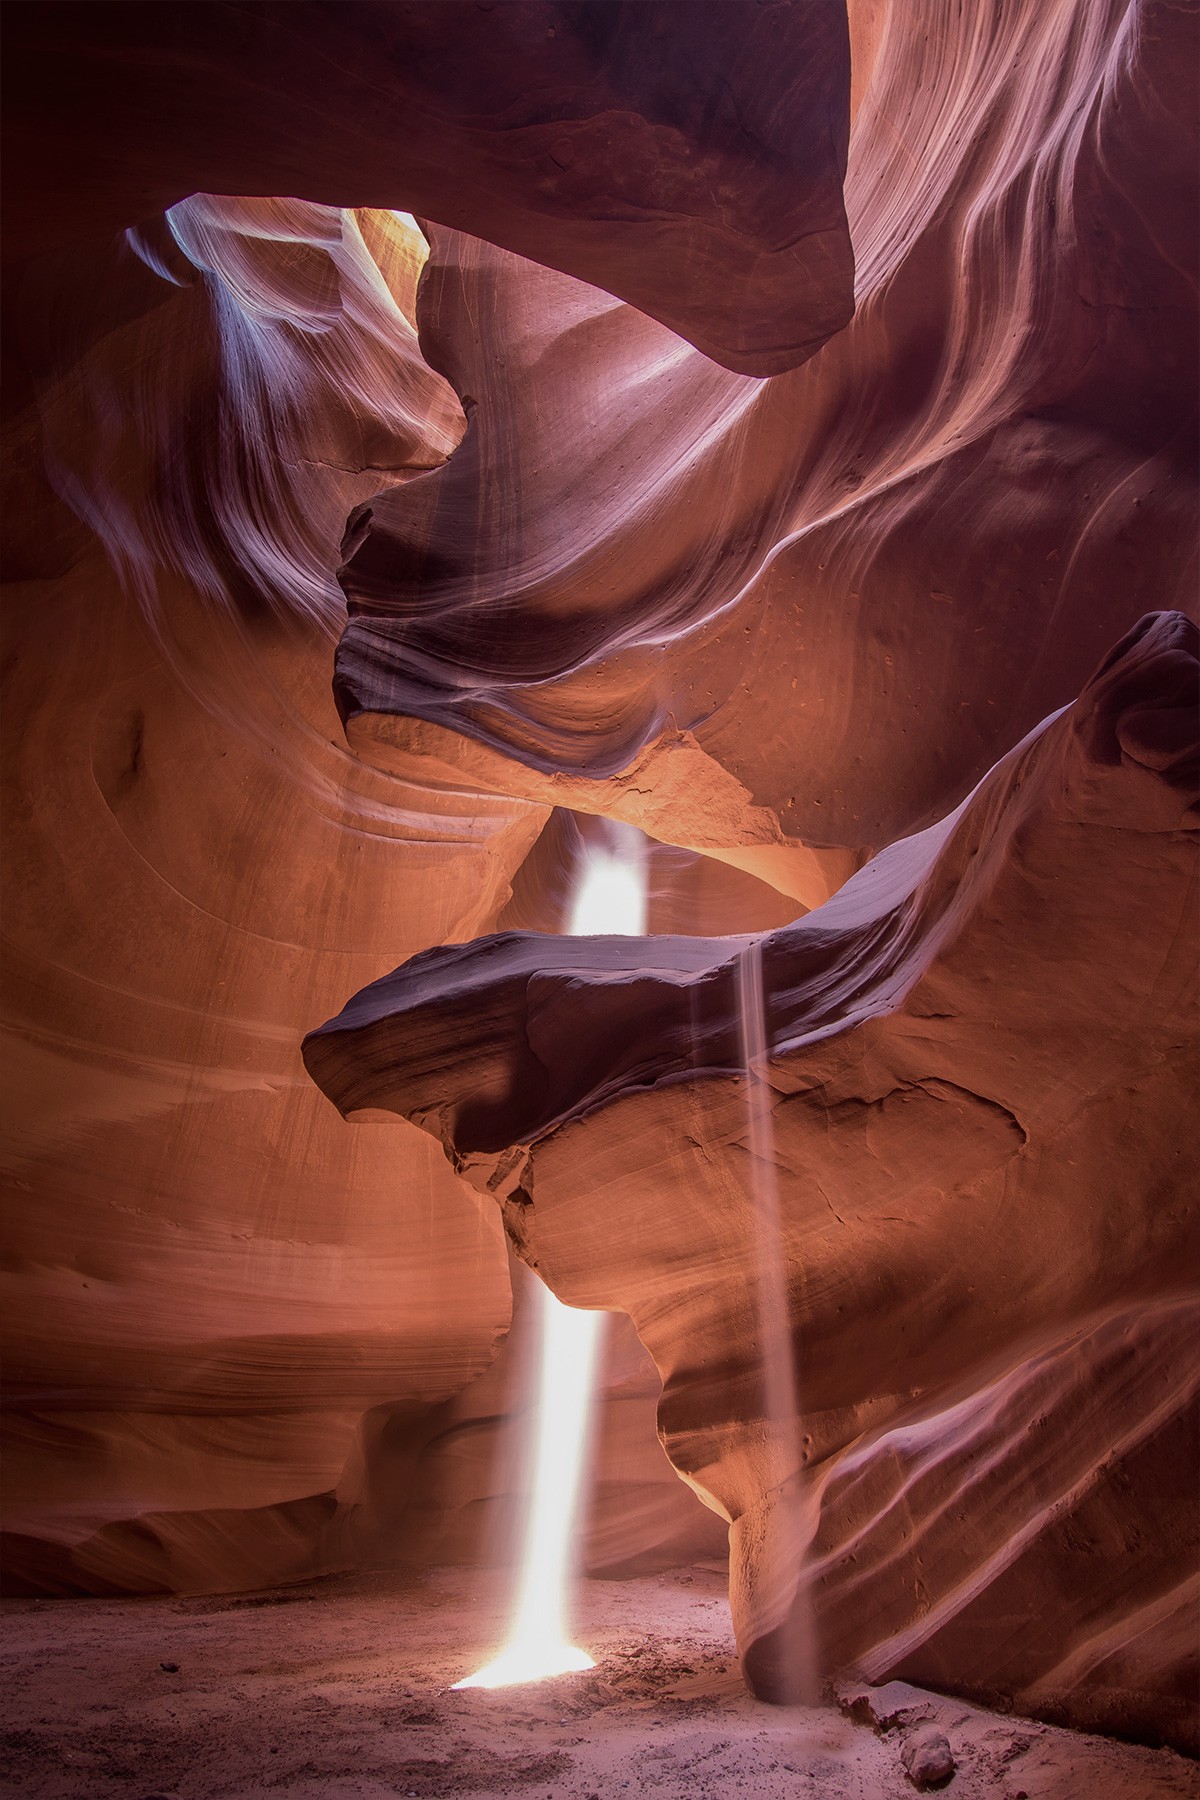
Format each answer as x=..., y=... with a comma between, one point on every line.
x=341, y=1690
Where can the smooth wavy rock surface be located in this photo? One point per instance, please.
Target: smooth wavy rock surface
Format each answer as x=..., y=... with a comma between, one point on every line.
x=223, y=1366
x=808, y=613
x=689, y=158
x=635, y=522
x=206, y=1290
x=982, y=1087
x=206, y=1304
x=213, y=433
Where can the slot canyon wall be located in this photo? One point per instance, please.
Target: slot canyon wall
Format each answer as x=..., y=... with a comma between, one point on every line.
x=780, y=437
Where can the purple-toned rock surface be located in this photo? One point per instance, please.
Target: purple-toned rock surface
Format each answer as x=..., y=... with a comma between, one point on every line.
x=360, y=575
x=689, y=159
x=804, y=615
x=992, y=1300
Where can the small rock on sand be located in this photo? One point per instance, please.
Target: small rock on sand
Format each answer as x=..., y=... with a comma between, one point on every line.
x=927, y=1757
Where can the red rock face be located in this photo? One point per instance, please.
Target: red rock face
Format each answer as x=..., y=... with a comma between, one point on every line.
x=989, y=1303
x=690, y=161
x=344, y=610
x=208, y=1291
x=855, y=586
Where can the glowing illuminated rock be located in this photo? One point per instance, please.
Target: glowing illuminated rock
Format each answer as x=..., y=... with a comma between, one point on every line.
x=805, y=615
x=779, y=621
x=208, y=1317
x=690, y=160
x=982, y=1052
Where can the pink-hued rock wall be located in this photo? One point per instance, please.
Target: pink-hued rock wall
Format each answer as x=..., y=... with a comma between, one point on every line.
x=989, y=1277
x=814, y=610
x=775, y=419
x=689, y=160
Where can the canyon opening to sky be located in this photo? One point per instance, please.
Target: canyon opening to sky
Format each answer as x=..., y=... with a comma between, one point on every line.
x=601, y=785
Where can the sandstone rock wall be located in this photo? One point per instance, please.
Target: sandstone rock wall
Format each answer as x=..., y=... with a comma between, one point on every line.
x=982, y=1087
x=632, y=509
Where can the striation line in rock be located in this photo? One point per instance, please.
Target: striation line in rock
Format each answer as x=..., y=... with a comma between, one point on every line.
x=689, y=159
x=680, y=593
x=973, y=1044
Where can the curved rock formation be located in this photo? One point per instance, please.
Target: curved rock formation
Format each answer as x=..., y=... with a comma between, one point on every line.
x=288, y=329
x=972, y=1045
x=231, y=379
x=206, y=1284
x=779, y=590
x=679, y=596
x=690, y=160
x=223, y=1366
x=205, y=1290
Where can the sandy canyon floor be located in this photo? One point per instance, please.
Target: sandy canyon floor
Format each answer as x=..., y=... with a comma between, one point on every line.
x=341, y=1691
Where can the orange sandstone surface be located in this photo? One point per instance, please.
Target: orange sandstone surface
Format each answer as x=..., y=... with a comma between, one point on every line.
x=778, y=435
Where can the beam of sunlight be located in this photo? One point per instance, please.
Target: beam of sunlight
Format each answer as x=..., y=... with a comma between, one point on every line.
x=610, y=894
x=797, y=1675
x=539, y=1644
x=609, y=900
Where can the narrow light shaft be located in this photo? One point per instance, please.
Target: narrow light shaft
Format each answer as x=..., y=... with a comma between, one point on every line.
x=610, y=900
x=781, y=1390
x=774, y=1318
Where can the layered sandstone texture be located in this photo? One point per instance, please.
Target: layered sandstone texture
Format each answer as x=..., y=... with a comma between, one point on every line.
x=981, y=1069
x=689, y=159
x=234, y=1354
x=228, y=1355
x=797, y=618
x=774, y=419
x=207, y=1288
